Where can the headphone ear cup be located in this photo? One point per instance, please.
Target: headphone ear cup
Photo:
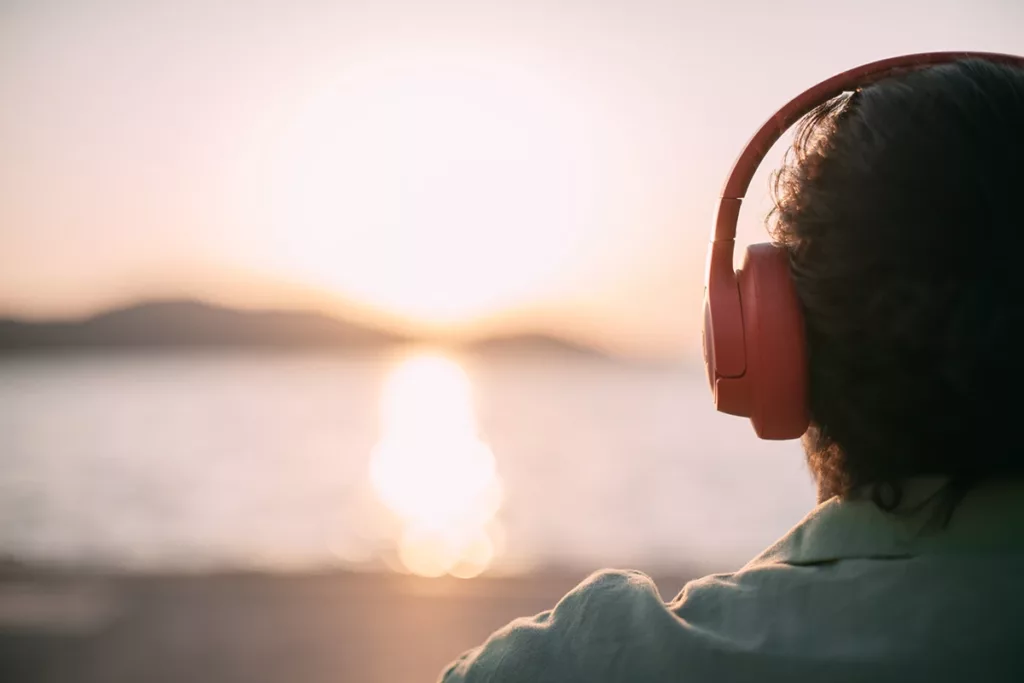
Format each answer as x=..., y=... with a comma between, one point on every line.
x=776, y=347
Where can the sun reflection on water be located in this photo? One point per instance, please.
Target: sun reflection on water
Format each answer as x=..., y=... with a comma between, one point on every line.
x=433, y=472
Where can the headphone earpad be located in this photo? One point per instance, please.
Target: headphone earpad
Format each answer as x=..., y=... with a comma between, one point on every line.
x=776, y=348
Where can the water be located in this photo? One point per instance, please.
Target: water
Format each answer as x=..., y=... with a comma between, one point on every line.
x=262, y=461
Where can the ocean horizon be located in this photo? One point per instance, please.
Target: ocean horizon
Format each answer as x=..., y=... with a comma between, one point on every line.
x=226, y=461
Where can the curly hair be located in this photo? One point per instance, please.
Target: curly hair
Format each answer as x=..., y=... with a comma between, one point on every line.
x=902, y=208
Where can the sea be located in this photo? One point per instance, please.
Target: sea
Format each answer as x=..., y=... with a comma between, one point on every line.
x=207, y=461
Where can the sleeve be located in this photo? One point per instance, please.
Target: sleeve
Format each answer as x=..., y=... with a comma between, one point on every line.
x=604, y=629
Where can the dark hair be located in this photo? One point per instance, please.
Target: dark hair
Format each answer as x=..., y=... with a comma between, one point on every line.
x=902, y=208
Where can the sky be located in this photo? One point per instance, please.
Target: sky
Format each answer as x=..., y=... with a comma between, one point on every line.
x=472, y=167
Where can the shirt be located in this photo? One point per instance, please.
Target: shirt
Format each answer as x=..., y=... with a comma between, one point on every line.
x=852, y=593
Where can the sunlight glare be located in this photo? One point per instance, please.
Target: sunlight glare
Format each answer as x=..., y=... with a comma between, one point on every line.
x=433, y=472
x=434, y=553
x=428, y=380
x=434, y=189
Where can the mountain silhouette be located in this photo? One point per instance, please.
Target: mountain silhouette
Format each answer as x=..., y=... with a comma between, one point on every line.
x=187, y=324
x=190, y=324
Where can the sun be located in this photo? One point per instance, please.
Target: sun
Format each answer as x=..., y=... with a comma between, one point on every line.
x=436, y=190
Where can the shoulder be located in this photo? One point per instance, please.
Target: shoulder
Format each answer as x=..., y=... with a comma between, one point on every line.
x=612, y=589
x=600, y=630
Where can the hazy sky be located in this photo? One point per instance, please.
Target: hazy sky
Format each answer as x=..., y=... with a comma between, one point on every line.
x=467, y=164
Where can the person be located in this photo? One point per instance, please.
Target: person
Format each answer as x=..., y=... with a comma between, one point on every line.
x=900, y=209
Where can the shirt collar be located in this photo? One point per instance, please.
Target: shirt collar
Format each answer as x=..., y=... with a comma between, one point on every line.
x=989, y=519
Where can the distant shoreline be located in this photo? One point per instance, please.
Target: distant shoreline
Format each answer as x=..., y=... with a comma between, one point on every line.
x=16, y=570
x=187, y=325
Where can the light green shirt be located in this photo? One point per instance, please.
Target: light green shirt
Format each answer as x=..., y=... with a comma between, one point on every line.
x=849, y=594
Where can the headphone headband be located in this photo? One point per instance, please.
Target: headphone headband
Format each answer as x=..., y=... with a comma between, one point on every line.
x=775, y=127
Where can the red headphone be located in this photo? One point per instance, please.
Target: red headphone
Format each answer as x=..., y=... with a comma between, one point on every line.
x=754, y=346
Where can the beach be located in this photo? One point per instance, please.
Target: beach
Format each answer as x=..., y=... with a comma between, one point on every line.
x=258, y=628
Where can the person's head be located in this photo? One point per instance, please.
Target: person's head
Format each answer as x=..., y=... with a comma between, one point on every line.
x=902, y=208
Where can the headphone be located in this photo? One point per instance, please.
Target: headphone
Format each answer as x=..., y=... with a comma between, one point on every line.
x=755, y=350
